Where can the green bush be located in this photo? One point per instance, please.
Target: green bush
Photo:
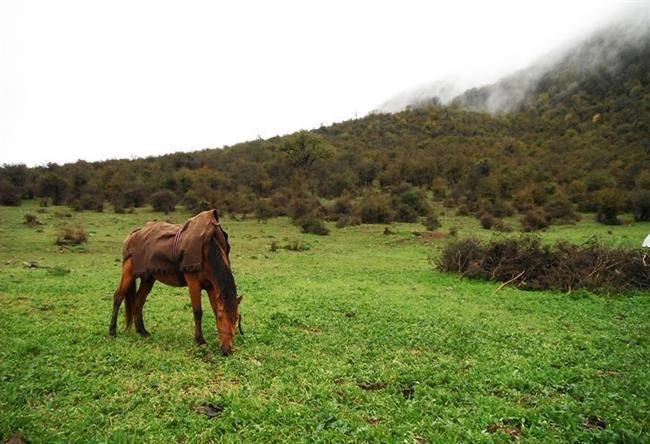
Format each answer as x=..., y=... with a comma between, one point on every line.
x=314, y=225
x=163, y=201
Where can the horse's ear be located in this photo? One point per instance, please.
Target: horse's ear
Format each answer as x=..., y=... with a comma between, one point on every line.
x=239, y=299
x=215, y=213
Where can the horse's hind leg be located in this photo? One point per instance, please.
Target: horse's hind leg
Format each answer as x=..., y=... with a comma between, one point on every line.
x=127, y=285
x=140, y=297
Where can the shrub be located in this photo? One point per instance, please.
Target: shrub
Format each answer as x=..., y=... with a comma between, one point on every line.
x=560, y=209
x=31, y=220
x=347, y=221
x=640, y=204
x=263, y=210
x=195, y=202
x=609, y=203
x=342, y=205
x=534, y=220
x=376, y=209
x=296, y=245
x=9, y=194
x=163, y=201
x=501, y=226
x=405, y=213
x=312, y=224
x=409, y=200
x=71, y=236
x=431, y=222
x=500, y=208
x=453, y=231
x=463, y=210
x=487, y=221
x=301, y=206
x=88, y=201
x=529, y=265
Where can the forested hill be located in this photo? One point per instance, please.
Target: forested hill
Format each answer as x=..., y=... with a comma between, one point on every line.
x=580, y=139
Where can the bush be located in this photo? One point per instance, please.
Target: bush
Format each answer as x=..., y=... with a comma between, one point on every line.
x=529, y=265
x=163, y=201
x=409, y=200
x=405, y=213
x=90, y=201
x=376, y=209
x=31, y=220
x=312, y=224
x=487, y=221
x=71, y=236
x=463, y=210
x=301, y=206
x=347, y=221
x=501, y=226
x=9, y=194
x=640, y=204
x=263, y=210
x=431, y=222
x=500, y=208
x=534, y=220
x=341, y=206
x=195, y=203
x=561, y=209
x=609, y=203
x=453, y=231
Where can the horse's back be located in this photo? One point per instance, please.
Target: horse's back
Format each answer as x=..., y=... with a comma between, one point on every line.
x=151, y=248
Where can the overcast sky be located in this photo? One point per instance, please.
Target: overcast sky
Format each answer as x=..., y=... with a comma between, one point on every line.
x=103, y=79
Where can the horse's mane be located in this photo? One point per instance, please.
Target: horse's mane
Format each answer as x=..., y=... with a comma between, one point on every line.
x=222, y=272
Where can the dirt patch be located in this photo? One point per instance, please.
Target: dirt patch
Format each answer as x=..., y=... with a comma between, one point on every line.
x=209, y=410
x=509, y=426
x=372, y=386
x=407, y=392
x=350, y=314
x=16, y=438
x=428, y=236
x=371, y=421
x=594, y=422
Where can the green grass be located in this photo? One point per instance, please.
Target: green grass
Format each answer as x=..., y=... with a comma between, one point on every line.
x=356, y=339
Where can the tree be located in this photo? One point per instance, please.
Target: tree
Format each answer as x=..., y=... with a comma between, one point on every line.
x=53, y=186
x=163, y=200
x=305, y=148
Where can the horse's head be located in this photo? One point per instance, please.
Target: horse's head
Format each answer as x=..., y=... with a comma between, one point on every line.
x=223, y=280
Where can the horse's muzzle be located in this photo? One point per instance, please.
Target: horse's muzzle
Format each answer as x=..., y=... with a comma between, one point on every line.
x=225, y=351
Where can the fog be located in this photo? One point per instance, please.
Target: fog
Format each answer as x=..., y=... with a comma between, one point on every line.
x=595, y=46
x=92, y=81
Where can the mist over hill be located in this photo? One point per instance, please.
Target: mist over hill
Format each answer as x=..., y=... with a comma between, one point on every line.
x=601, y=51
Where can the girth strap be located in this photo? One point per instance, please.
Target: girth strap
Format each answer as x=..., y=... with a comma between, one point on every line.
x=177, y=236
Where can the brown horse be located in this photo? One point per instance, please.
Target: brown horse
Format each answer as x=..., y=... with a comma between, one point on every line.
x=195, y=255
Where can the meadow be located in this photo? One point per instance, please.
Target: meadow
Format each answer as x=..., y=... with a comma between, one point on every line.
x=357, y=338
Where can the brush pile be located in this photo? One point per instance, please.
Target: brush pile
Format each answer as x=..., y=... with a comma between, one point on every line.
x=528, y=264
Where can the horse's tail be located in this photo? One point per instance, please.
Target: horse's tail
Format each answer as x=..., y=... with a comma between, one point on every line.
x=129, y=302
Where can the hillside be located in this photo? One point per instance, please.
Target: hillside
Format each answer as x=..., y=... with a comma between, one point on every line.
x=577, y=137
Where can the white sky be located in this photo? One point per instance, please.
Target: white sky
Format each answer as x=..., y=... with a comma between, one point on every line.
x=103, y=79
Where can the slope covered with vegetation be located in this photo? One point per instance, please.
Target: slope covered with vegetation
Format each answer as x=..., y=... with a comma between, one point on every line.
x=579, y=140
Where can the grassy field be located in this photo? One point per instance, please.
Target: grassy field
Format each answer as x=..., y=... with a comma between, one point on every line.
x=355, y=339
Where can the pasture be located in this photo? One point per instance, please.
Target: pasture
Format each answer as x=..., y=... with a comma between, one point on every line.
x=355, y=339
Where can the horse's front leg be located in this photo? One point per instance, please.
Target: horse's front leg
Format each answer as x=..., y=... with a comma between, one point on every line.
x=194, y=286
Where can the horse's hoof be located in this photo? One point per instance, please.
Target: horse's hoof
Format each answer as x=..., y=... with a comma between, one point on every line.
x=111, y=334
x=144, y=334
x=200, y=341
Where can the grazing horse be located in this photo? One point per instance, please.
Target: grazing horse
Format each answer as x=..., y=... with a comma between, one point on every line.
x=194, y=255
